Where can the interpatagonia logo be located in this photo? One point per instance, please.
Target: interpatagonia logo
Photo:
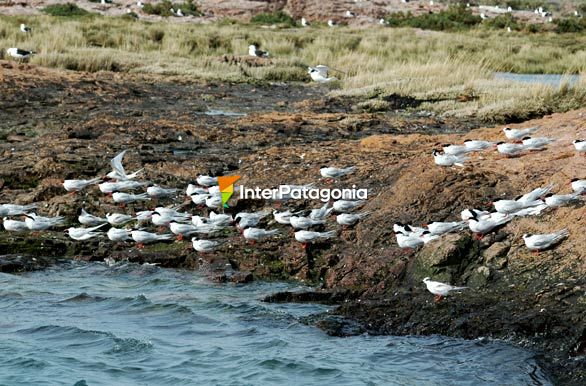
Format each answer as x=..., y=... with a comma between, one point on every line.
x=226, y=184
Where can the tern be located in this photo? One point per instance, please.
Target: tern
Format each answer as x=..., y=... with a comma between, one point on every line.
x=194, y=189
x=15, y=210
x=199, y=198
x=204, y=246
x=440, y=228
x=476, y=145
x=182, y=230
x=350, y=14
x=332, y=23
x=85, y=218
x=319, y=74
x=118, y=235
x=467, y=214
x=207, y=180
x=557, y=200
x=440, y=289
x=344, y=206
x=127, y=198
x=531, y=211
x=257, y=234
x=283, y=217
x=144, y=215
x=349, y=219
x=408, y=229
x=220, y=219
x=512, y=206
x=14, y=225
x=321, y=213
x=484, y=225
x=580, y=145
x=510, y=149
x=214, y=202
x=26, y=29
x=410, y=241
x=308, y=237
x=120, y=186
x=117, y=219
x=447, y=159
x=304, y=22
x=541, y=242
x=165, y=218
x=118, y=173
x=157, y=191
x=247, y=220
x=253, y=51
x=578, y=185
x=517, y=134
x=38, y=223
x=536, y=193
x=299, y=222
x=332, y=172
x=82, y=234
x=538, y=143
x=142, y=237
x=457, y=150
x=77, y=185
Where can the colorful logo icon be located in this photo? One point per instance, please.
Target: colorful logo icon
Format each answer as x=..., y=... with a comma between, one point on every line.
x=226, y=184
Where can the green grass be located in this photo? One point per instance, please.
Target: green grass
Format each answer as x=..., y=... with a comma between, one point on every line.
x=279, y=17
x=163, y=8
x=454, y=18
x=68, y=9
x=441, y=68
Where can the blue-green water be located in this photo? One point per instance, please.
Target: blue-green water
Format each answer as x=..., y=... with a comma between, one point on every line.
x=136, y=325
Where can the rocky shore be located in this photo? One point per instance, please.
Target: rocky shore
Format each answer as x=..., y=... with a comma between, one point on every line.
x=56, y=125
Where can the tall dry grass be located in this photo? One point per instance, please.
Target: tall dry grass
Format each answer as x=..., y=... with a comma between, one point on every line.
x=452, y=71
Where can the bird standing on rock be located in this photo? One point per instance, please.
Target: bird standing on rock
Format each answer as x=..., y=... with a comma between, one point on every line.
x=580, y=146
x=440, y=289
x=541, y=242
x=307, y=237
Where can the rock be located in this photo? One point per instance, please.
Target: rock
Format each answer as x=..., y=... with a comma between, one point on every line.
x=496, y=255
x=442, y=258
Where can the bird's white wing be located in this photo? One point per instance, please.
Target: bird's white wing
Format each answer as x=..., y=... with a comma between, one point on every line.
x=116, y=163
x=323, y=70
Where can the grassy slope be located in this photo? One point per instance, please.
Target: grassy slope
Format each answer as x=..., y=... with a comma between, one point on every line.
x=452, y=70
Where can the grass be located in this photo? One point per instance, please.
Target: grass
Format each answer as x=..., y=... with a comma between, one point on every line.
x=68, y=9
x=163, y=8
x=452, y=72
x=454, y=18
x=274, y=18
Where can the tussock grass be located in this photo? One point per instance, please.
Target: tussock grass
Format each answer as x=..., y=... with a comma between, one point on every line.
x=452, y=72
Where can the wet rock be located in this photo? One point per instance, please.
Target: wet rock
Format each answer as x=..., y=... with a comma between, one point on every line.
x=496, y=255
x=442, y=259
x=325, y=297
x=24, y=263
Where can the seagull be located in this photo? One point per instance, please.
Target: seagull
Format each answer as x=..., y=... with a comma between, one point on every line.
x=382, y=22
x=77, y=185
x=517, y=134
x=457, y=150
x=531, y=211
x=82, y=234
x=257, y=234
x=18, y=53
x=24, y=28
x=440, y=289
x=118, y=235
x=408, y=229
x=304, y=22
x=165, y=218
x=220, y=219
x=117, y=219
x=410, y=241
x=476, y=145
x=157, y=191
x=38, y=223
x=179, y=13
x=447, y=159
x=343, y=206
x=510, y=149
x=321, y=213
x=207, y=180
x=15, y=210
x=557, y=200
x=253, y=51
x=319, y=74
x=199, y=198
x=538, y=143
x=349, y=14
x=299, y=222
x=214, y=202
x=332, y=172
x=188, y=229
x=307, y=237
x=541, y=242
x=349, y=219
x=127, y=198
x=483, y=225
x=331, y=23
x=118, y=173
x=14, y=225
x=85, y=218
x=467, y=214
x=580, y=145
x=440, y=228
x=120, y=186
x=204, y=246
x=139, y=4
x=142, y=237
x=578, y=186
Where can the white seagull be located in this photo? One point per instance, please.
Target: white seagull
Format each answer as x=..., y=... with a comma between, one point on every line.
x=304, y=22
x=158, y=192
x=204, y=246
x=510, y=149
x=118, y=234
x=39, y=223
x=206, y=180
x=512, y=206
x=247, y=220
x=194, y=189
x=477, y=145
x=14, y=225
x=126, y=198
x=578, y=185
x=331, y=23
x=440, y=228
x=467, y=214
x=580, y=145
x=320, y=213
x=253, y=51
x=120, y=186
x=319, y=74
x=440, y=289
x=557, y=200
x=220, y=219
x=536, y=193
x=344, y=206
x=142, y=237
x=410, y=241
x=283, y=217
x=457, y=150
x=24, y=28
x=484, y=225
x=117, y=219
x=18, y=53
x=541, y=242
x=538, y=143
x=307, y=237
x=214, y=202
x=299, y=222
